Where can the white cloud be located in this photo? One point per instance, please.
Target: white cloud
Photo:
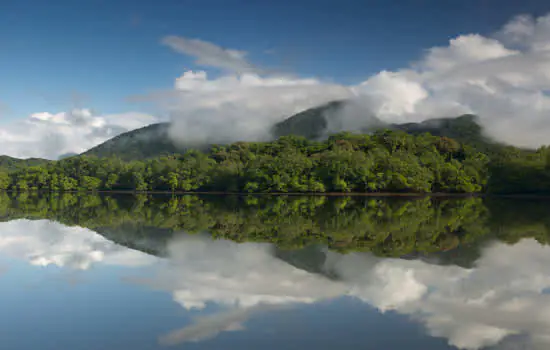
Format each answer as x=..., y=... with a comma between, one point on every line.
x=503, y=82
x=208, y=54
x=504, y=79
x=241, y=107
x=526, y=32
x=48, y=135
x=463, y=50
x=392, y=94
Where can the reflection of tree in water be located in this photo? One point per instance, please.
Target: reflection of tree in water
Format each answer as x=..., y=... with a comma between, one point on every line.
x=200, y=238
x=437, y=230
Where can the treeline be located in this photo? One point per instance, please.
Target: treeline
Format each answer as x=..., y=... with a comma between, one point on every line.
x=387, y=161
x=452, y=228
x=387, y=227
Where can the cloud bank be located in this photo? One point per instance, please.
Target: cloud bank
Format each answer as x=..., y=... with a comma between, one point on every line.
x=47, y=135
x=241, y=107
x=504, y=78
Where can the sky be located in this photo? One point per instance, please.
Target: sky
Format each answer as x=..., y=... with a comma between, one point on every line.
x=92, y=69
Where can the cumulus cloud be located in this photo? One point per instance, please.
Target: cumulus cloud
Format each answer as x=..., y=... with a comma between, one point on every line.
x=526, y=32
x=48, y=135
x=504, y=78
x=240, y=107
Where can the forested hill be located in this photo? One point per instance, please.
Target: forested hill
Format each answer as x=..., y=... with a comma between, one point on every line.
x=314, y=124
x=385, y=161
x=317, y=123
x=439, y=155
x=9, y=164
x=149, y=141
x=465, y=129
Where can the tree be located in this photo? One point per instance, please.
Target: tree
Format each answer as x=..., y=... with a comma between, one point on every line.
x=5, y=181
x=173, y=181
x=90, y=183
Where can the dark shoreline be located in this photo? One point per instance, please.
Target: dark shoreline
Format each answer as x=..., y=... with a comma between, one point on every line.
x=319, y=194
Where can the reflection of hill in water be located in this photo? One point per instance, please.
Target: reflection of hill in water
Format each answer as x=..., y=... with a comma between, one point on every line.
x=148, y=239
x=502, y=295
x=438, y=231
x=258, y=254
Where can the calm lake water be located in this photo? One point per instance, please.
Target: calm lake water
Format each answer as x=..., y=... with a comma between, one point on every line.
x=103, y=272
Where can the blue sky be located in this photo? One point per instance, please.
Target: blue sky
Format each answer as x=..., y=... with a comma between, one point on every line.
x=95, y=53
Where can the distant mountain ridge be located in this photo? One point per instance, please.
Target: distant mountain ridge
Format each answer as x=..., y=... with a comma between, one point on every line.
x=314, y=123
x=318, y=122
x=10, y=164
x=146, y=142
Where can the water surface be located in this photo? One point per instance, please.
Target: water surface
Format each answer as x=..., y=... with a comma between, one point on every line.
x=103, y=272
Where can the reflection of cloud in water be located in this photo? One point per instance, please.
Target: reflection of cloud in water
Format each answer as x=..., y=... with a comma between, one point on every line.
x=201, y=270
x=44, y=242
x=207, y=327
x=243, y=278
x=472, y=308
x=504, y=296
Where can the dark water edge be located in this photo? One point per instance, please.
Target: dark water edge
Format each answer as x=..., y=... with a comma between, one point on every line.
x=441, y=195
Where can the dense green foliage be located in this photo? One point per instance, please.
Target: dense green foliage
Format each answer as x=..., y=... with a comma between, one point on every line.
x=447, y=230
x=386, y=161
x=383, y=162
x=9, y=164
x=385, y=227
x=314, y=124
x=147, y=142
x=464, y=129
x=438, y=155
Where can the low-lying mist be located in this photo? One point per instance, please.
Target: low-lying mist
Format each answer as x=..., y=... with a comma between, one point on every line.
x=503, y=78
x=241, y=108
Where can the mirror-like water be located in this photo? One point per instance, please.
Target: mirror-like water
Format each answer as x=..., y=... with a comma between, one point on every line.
x=106, y=272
